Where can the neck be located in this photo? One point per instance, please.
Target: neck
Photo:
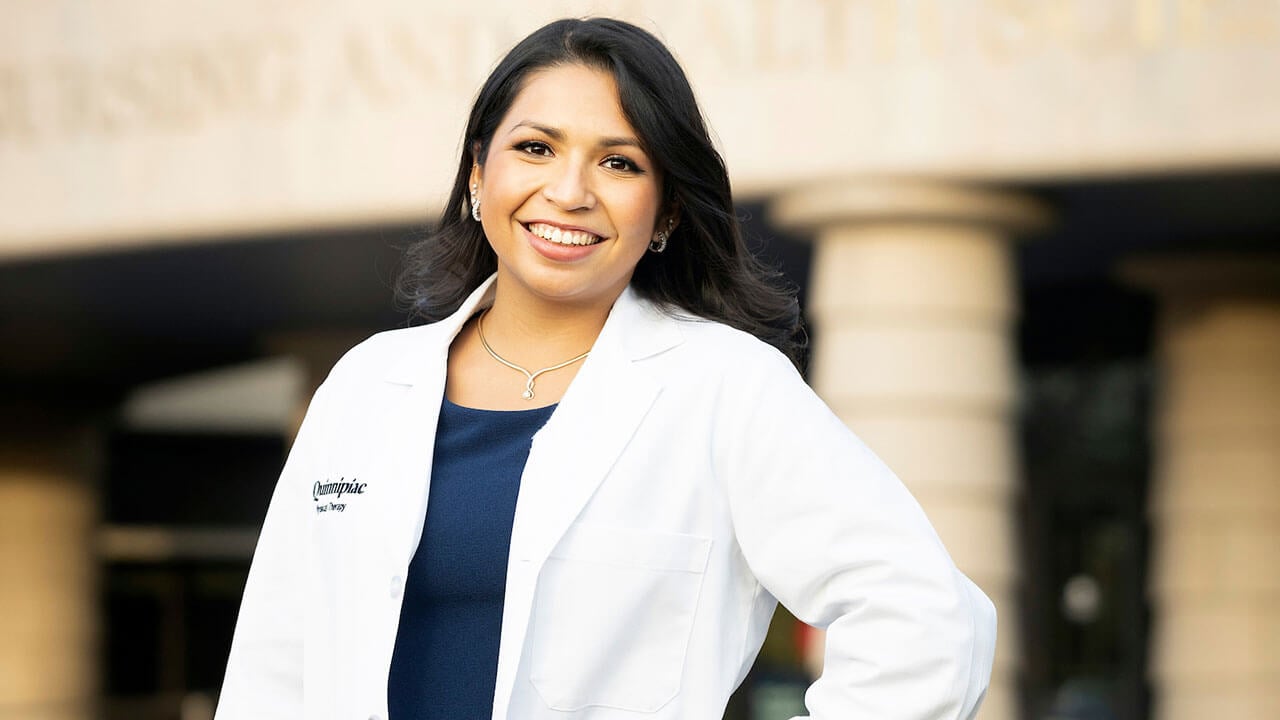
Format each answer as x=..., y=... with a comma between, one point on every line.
x=537, y=332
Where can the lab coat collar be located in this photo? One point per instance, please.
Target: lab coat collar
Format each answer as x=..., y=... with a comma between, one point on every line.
x=420, y=364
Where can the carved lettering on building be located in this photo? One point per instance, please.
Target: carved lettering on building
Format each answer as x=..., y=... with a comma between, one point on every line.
x=162, y=90
x=842, y=35
x=261, y=77
x=279, y=75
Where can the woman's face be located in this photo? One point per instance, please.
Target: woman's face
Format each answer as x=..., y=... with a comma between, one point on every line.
x=568, y=199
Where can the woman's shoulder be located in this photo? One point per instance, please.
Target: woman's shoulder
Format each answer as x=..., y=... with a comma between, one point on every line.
x=726, y=350
x=751, y=385
x=387, y=354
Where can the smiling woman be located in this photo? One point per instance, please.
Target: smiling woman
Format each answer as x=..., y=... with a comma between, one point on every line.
x=587, y=481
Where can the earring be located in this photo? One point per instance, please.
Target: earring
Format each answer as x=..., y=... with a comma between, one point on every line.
x=475, y=201
x=659, y=241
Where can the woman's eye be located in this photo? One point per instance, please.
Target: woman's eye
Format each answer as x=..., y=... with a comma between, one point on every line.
x=621, y=164
x=534, y=147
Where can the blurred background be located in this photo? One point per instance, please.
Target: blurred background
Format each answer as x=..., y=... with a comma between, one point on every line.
x=1038, y=243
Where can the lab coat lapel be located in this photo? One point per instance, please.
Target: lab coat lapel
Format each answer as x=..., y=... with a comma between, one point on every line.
x=410, y=445
x=574, y=452
x=572, y=455
x=412, y=425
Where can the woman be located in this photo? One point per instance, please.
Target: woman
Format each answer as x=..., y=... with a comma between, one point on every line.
x=582, y=488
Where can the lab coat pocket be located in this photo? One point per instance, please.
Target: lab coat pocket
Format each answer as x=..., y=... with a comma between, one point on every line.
x=613, y=616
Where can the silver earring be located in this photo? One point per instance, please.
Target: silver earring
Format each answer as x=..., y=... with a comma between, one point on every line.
x=659, y=242
x=475, y=201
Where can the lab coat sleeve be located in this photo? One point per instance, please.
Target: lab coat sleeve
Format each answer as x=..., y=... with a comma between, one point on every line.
x=264, y=670
x=830, y=532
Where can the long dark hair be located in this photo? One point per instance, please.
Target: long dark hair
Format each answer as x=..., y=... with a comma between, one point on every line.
x=706, y=271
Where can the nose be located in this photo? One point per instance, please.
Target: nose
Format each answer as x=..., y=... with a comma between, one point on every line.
x=569, y=187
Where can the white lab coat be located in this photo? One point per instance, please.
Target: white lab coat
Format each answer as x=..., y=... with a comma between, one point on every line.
x=687, y=479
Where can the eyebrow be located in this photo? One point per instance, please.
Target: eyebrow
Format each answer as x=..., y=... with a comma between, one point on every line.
x=559, y=136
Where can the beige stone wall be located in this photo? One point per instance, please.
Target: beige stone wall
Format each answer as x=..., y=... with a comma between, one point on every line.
x=128, y=121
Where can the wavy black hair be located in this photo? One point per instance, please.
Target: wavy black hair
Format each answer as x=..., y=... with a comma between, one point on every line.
x=707, y=270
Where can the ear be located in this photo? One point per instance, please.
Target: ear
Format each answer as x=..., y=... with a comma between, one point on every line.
x=670, y=220
x=477, y=165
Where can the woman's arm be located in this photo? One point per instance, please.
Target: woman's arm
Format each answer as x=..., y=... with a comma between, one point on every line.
x=830, y=531
x=264, y=670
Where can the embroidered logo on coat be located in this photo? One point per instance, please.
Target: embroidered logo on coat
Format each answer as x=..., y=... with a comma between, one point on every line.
x=332, y=492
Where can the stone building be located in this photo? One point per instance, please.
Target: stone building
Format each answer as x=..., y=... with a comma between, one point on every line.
x=1039, y=244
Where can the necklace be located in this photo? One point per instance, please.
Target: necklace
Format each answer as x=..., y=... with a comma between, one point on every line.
x=529, y=376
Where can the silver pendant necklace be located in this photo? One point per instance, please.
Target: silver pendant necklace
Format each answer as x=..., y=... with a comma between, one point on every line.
x=529, y=376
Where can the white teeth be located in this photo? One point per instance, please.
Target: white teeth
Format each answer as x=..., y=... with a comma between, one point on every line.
x=563, y=237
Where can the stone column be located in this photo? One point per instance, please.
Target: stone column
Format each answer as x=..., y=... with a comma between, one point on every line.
x=912, y=303
x=49, y=658
x=1215, y=498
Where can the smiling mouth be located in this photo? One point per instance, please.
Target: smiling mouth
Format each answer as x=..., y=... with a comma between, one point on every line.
x=559, y=236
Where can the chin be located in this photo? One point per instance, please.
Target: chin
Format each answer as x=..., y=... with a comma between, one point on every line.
x=572, y=291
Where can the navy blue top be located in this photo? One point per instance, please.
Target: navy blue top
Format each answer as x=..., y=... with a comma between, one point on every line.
x=446, y=656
